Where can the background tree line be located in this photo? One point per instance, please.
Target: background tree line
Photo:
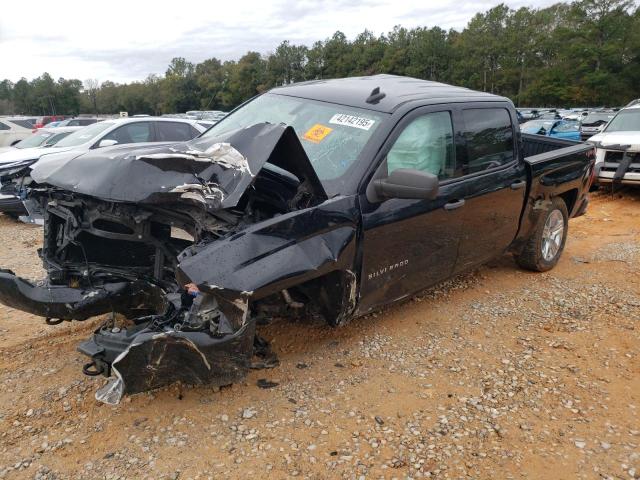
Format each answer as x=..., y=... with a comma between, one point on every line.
x=585, y=53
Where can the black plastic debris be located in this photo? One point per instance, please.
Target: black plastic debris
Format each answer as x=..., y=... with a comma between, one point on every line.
x=264, y=383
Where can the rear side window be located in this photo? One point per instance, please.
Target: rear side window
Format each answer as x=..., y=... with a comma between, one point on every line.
x=131, y=133
x=426, y=144
x=4, y=127
x=22, y=123
x=489, y=137
x=174, y=132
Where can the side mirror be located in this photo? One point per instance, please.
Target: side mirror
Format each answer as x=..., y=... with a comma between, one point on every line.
x=107, y=143
x=407, y=183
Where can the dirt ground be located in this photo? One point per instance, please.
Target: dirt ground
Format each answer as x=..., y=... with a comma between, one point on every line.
x=499, y=373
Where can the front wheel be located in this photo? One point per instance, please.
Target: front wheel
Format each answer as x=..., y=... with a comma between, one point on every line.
x=546, y=243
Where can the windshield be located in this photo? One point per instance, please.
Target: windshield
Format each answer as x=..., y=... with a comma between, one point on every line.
x=332, y=135
x=625, y=121
x=84, y=135
x=34, y=140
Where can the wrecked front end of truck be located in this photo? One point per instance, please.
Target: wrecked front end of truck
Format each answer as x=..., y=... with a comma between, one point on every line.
x=186, y=247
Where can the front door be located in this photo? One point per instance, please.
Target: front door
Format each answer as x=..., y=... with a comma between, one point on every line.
x=411, y=244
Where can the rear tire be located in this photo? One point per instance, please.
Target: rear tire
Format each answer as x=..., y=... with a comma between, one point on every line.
x=544, y=247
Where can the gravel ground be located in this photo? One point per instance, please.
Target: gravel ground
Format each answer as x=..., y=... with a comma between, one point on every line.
x=498, y=373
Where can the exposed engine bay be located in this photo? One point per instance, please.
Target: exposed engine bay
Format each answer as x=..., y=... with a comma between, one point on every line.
x=188, y=246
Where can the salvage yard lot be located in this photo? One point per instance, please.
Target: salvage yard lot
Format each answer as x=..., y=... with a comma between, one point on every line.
x=499, y=373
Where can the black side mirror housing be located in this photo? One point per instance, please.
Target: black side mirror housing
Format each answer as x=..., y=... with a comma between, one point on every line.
x=407, y=183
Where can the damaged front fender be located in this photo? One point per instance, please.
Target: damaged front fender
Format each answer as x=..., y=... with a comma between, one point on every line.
x=280, y=253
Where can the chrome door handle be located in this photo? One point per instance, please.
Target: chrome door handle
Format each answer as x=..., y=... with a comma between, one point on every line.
x=453, y=205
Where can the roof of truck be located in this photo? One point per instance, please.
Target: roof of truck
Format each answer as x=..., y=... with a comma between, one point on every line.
x=354, y=91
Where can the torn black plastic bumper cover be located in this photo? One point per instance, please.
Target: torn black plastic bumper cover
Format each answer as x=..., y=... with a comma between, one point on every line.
x=142, y=359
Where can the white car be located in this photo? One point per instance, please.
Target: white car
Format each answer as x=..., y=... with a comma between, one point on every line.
x=594, y=123
x=618, y=148
x=14, y=165
x=44, y=137
x=12, y=130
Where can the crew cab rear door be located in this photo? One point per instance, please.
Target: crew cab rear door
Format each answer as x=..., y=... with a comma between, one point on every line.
x=495, y=183
x=409, y=244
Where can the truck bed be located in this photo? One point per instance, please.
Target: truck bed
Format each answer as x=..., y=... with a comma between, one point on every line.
x=539, y=148
x=533, y=144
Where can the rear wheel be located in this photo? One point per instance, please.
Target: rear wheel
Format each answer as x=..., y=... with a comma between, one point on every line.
x=546, y=243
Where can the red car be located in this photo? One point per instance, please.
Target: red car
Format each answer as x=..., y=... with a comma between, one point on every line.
x=42, y=121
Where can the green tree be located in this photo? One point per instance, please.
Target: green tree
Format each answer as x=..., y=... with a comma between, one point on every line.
x=211, y=80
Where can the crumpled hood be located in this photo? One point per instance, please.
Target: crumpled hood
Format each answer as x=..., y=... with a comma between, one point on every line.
x=213, y=173
x=603, y=140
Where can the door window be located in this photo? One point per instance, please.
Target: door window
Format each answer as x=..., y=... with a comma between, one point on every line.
x=132, y=133
x=426, y=144
x=4, y=127
x=175, y=132
x=489, y=136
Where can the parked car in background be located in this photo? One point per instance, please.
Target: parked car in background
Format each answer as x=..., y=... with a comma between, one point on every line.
x=77, y=122
x=213, y=115
x=42, y=121
x=574, y=114
x=15, y=165
x=529, y=114
x=618, y=148
x=13, y=130
x=44, y=137
x=594, y=123
x=550, y=116
x=566, y=129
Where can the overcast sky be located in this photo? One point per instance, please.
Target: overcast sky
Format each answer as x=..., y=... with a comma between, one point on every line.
x=126, y=40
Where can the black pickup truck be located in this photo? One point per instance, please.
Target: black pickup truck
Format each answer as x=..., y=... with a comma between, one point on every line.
x=328, y=198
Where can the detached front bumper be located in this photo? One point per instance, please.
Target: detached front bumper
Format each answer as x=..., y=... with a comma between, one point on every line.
x=66, y=303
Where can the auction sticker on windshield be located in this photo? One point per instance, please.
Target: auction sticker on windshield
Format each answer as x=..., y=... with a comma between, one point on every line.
x=352, y=121
x=317, y=133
